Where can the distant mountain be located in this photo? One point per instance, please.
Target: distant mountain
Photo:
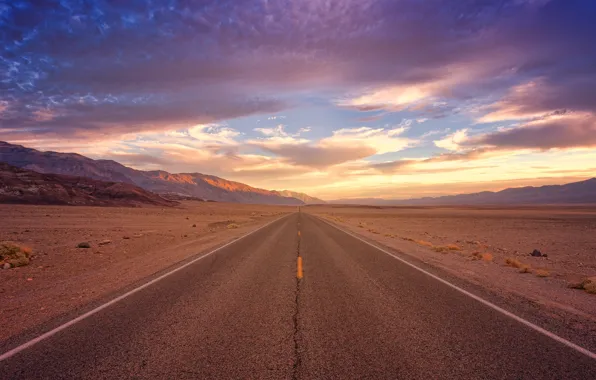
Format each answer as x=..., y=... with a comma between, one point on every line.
x=303, y=197
x=575, y=192
x=19, y=185
x=196, y=185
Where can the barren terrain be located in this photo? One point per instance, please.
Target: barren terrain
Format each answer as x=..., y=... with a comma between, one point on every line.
x=126, y=245
x=491, y=247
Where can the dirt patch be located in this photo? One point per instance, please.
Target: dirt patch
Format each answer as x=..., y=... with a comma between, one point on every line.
x=125, y=245
x=221, y=224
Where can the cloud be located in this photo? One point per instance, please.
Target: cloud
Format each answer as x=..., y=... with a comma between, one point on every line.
x=136, y=159
x=344, y=145
x=89, y=118
x=318, y=156
x=168, y=65
x=381, y=140
x=453, y=141
x=573, y=130
x=213, y=134
x=393, y=98
x=277, y=131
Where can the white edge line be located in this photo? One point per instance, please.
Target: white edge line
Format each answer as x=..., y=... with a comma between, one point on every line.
x=509, y=314
x=81, y=317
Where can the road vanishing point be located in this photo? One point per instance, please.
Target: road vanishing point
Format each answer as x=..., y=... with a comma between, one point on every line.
x=296, y=299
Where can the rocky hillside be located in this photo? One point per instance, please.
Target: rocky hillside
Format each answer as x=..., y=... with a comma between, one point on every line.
x=196, y=185
x=303, y=197
x=19, y=185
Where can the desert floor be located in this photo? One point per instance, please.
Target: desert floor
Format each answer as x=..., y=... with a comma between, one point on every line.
x=475, y=244
x=127, y=245
x=130, y=244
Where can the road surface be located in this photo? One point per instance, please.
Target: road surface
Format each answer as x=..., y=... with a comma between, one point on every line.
x=242, y=313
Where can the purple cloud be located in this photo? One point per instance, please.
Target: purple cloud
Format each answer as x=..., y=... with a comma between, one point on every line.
x=560, y=131
x=145, y=66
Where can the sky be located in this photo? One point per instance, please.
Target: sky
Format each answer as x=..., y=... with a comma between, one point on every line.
x=335, y=98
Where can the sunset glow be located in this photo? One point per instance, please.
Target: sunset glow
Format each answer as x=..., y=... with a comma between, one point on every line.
x=337, y=99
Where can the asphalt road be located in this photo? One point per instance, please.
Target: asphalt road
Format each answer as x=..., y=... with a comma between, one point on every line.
x=241, y=313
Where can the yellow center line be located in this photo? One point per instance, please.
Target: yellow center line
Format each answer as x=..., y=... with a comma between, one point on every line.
x=299, y=268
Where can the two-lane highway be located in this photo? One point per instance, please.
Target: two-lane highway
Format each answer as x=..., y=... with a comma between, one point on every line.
x=242, y=313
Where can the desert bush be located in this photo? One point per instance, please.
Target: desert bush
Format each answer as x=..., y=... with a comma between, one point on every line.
x=487, y=257
x=14, y=254
x=453, y=247
x=588, y=284
x=542, y=273
x=446, y=248
x=232, y=226
x=424, y=243
x=511, y=262
x=515, y=263
x=524, y=269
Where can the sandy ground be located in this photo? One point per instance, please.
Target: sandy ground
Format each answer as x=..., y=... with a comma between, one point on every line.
x=137, y=242
x=566, y=234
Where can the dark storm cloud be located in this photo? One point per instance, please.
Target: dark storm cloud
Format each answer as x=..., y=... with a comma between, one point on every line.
x=114, y=67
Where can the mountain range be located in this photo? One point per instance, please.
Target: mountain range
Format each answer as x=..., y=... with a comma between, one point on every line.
x=19, y=185
x=208, y=187
x=575, y=192
x=197, y=185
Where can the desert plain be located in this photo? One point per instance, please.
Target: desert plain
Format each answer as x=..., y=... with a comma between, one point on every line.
x=489, y=247
x=127, y=244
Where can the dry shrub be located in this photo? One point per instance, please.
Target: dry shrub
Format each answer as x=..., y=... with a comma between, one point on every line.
x=453, y=247
x=542, y=273
x=487, y=257
x=590, y=285
x=424, y=243
x=16, y=255
x=407, y=239
x=515, y=263
x=524, y=269
x=446, y=248
x=232, y=226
